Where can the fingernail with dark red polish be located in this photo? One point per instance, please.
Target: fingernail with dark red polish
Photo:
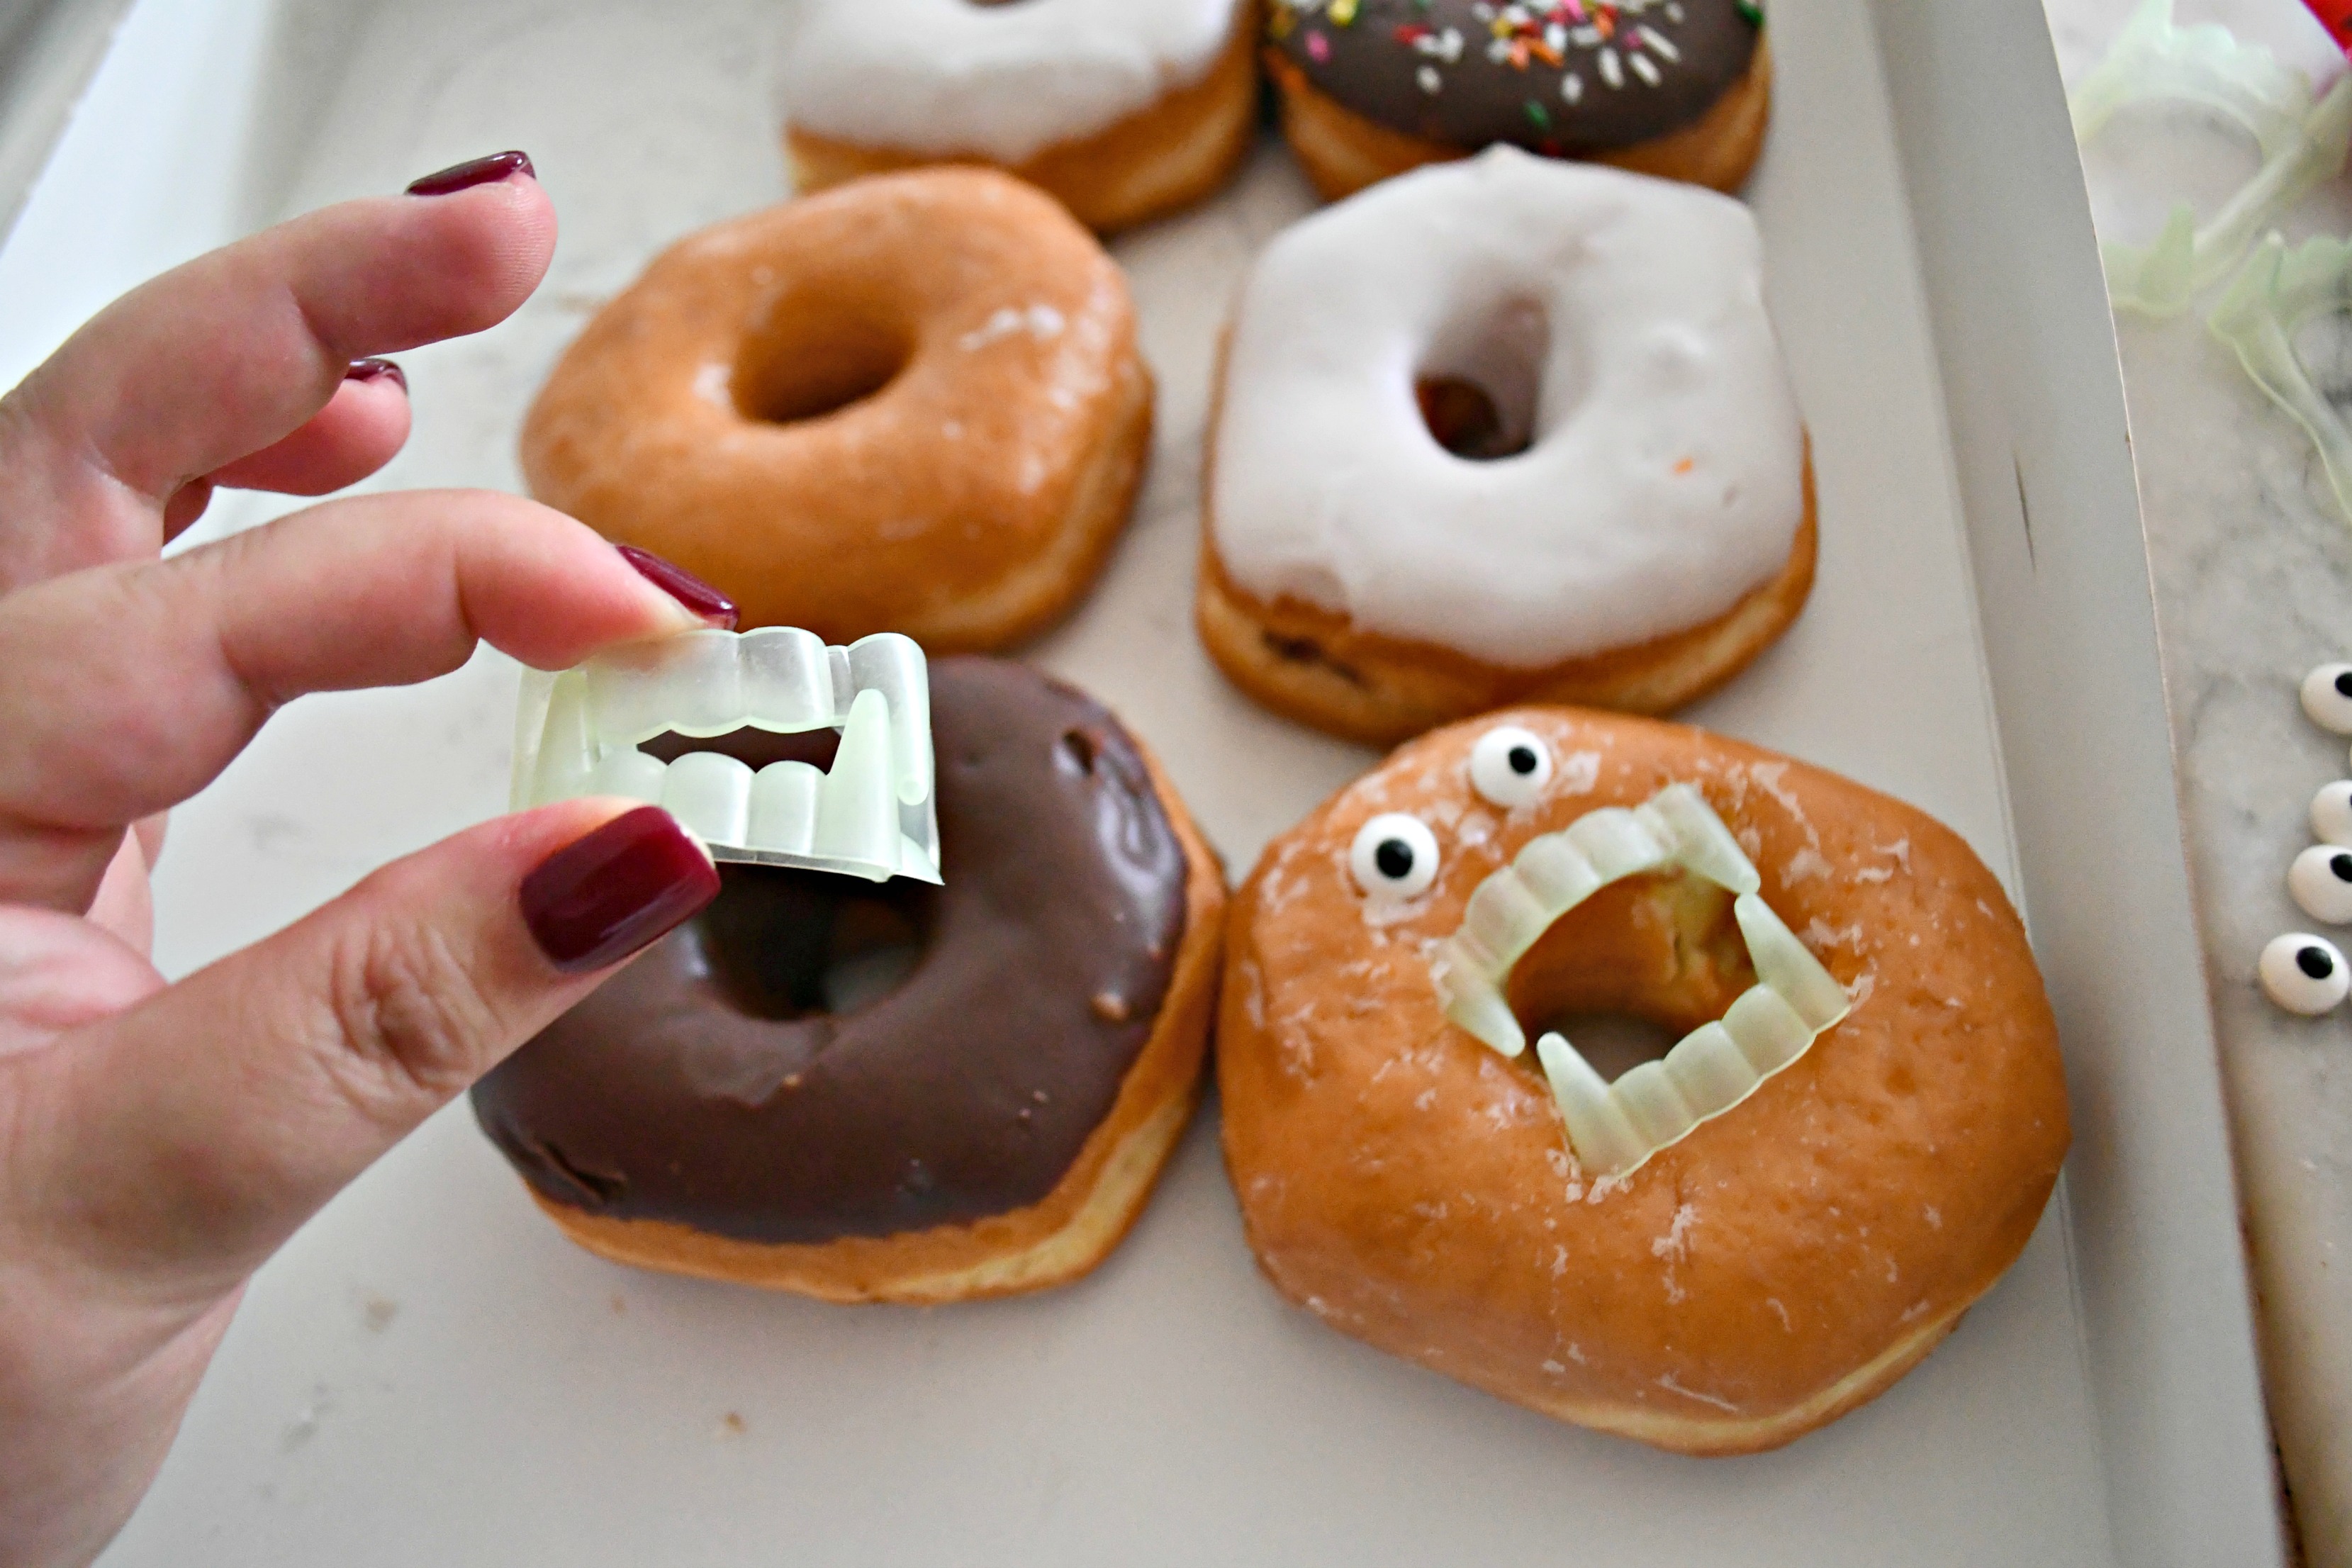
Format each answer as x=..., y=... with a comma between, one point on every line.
x=601, y=897
x=683, y=585
x=371, y=369
x=474, y=172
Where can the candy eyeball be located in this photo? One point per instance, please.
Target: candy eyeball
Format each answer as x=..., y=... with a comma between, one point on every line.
x=2327, y=698
x=1394, y=856
x=2331, y=813
x=1509, y=766
x=2303, y=973
x=2320, y=882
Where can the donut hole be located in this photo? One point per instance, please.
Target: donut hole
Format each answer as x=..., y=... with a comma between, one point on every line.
x=1479, y=385
x=782, y=942
x=810, y=362
x=1632, y=969
x=785, y=943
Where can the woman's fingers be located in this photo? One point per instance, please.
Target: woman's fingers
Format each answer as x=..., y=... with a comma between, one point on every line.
x=359, y=431
x=183, y=1141
x=235, y=351
x=129, y=688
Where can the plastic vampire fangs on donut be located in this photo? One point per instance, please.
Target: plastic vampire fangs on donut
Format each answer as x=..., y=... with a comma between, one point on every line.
x=872, y=815
x=1615, y=1127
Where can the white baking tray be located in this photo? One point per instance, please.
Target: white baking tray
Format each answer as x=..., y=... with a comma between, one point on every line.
x=429, y=1373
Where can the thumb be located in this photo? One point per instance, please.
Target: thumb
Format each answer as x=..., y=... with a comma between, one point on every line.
x=191, y=1134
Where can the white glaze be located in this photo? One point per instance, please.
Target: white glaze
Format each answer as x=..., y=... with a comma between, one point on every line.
x=940, y=76
x=1329, y=490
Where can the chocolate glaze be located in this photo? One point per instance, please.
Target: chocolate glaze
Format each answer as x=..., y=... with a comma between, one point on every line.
x=706, y=1084
x=1374, y=64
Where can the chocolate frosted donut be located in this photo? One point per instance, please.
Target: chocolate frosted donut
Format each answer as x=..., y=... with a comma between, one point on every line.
x=1674, y=88
x=902, y=1091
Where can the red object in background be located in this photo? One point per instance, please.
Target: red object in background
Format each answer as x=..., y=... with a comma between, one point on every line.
x=2335, y=16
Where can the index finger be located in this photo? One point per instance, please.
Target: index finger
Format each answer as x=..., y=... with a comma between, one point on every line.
x=229, y=353
x=131, y=687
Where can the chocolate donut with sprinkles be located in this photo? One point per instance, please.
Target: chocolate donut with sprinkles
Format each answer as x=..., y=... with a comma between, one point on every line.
x=1678, y=89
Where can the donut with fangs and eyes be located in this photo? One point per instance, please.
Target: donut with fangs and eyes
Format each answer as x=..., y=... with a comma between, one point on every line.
x=1507, y=430
x=1120, y=110
x=1678, y=89
x=897, y=1090
x=1715, y=1251
x=914, y=403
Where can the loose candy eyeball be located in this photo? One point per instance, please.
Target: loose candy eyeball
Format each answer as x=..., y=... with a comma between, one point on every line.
x=1394, y=856
x=2303, y=973
x=2327, y=698
x=2320, y=882
x=1509, y=766
x=2331, y=813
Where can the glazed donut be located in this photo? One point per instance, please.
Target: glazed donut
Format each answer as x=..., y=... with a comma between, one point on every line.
x=913, y=404
x=1677, y=89
x=1713, y=1254
x=1646, y=526
x=1123, y=111
x=900, y=1093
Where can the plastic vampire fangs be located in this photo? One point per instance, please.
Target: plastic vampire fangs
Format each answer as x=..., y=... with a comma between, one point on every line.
x=1614, y=1127
x=873, y=815
x=2302, y=144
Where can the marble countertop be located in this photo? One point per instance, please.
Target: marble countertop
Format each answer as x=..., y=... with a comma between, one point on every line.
x=2253, y=568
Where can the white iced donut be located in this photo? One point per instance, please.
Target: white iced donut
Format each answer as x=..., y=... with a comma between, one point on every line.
x=1120, y=108
x=1622, y=513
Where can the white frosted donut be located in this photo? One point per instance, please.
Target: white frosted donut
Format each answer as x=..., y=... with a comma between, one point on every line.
x=1617, y=320
x=1006, y=80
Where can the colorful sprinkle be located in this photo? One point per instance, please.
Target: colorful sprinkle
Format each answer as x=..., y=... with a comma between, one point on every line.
x=1612, y=37
x=1749, y=12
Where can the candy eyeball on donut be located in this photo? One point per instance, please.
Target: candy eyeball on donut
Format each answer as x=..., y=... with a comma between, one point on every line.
x=1394, y=856
x=1509, y=766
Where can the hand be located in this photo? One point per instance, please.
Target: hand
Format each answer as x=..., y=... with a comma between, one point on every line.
x=158, y=1142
